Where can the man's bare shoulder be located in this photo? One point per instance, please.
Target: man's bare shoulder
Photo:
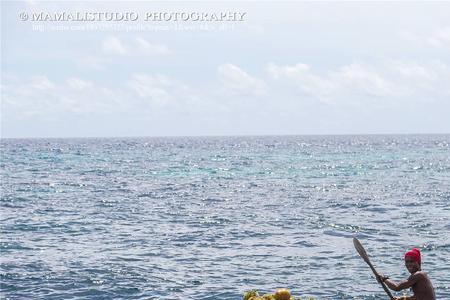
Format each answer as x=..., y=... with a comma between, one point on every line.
x=419, y=275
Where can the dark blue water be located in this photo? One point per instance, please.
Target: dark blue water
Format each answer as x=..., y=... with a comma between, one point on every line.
x=208, y=218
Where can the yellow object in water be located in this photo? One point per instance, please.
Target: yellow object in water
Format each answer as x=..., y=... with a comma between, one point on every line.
x=282, y=294
x=250, y=294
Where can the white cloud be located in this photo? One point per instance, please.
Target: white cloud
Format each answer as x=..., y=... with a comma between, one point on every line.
x=301, y=76
x=421, y=81
x=440, y=38
x=387, y=84
x=155, y=93
x=237, y=81
x=113, y=45
x=141, y=94
x=148, y=48
x=92, y=62
x=359, y=83
x=154, y=89
x=364, y=78
x=41, y=82
x=78, y=84
x=413, y=70
x=41, y=96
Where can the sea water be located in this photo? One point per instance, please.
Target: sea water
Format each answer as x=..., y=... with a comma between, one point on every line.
x=212, y=217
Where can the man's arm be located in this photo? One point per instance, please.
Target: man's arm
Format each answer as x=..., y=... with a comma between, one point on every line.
x=402, y=285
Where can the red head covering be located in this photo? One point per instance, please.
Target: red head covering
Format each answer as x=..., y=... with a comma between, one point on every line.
x=415, y=254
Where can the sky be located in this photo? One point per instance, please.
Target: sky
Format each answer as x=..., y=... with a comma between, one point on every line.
x=245, y=68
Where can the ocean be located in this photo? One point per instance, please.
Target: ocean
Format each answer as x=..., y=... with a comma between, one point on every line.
x=212, y=217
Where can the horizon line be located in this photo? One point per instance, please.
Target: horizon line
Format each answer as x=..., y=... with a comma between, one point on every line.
x=219, y=135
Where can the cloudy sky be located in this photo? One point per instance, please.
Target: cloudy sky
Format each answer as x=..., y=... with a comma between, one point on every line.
x=282, y=68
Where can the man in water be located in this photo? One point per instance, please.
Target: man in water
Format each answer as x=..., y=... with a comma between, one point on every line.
x=418, y=281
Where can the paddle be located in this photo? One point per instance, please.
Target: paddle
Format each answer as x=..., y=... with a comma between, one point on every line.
x=365, y=257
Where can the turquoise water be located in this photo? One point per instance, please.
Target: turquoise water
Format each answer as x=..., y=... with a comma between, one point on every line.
x=211, y=217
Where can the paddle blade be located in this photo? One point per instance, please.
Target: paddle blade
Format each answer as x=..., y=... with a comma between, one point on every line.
x=360, y=249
